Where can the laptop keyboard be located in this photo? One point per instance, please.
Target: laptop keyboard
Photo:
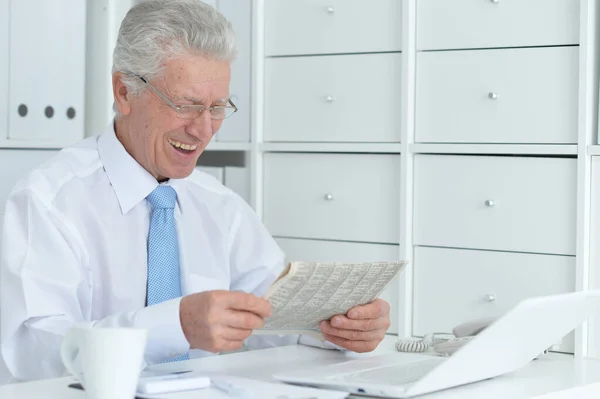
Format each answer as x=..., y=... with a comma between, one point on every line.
x=397, y=374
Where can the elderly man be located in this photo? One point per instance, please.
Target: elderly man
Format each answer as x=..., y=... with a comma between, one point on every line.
x=120, y=231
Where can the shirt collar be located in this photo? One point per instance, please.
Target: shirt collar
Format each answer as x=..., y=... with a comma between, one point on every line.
x=129, y=180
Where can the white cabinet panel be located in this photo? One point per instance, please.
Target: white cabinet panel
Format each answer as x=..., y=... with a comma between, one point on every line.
x=237, y=178
x=345, y=98
x=295, y=27
x=501, y=203
x=237, y=126
x=459, y=24
x=215, y=171
x=349, y=197
x=498, y=96
x=594, y=245
x=4, y=31
x=331, y=251
x=454, y=286
x=47, y=70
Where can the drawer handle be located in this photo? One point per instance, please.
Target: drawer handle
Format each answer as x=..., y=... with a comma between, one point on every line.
x=329, y=197
x=490, y=203
x=495, y=1
x=493, y=96
x=490, y=298
x=330, y=10
x=329, y=99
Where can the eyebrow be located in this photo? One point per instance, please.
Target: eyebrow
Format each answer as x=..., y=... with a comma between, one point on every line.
x=198, y=101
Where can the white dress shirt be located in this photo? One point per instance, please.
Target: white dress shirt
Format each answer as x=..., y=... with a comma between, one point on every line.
x=75, y=254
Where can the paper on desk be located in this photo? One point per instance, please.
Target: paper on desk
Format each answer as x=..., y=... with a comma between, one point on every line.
x=260, y=390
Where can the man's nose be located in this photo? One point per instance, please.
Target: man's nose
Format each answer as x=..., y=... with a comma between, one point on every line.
x=201, y=126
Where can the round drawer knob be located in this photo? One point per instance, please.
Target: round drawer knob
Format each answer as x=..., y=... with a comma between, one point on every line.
x=490, y=298
x=330, y=10
x=329, y=99
x=490, y=203
x=329, y=197
x=495, y=1
x=493, y=96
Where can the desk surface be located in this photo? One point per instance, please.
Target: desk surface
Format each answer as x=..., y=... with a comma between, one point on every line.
x=550, y=377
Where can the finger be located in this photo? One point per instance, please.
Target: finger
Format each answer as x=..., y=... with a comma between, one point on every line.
x=244, y=320
x=373, y=310
x=355, y=346
x=249, y=303
x=235, y=334
x=353, y=335
x=381, y=323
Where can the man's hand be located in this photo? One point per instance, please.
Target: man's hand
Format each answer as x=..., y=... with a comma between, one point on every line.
x=218, y=321
x=362, y=329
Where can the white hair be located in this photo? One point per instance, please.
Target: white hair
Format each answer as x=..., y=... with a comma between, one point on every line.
x=156, y=30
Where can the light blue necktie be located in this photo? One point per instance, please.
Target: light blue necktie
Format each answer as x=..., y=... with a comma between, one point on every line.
x=164, y=282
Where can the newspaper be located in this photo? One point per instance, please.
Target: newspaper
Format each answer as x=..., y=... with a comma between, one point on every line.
x=307, y=293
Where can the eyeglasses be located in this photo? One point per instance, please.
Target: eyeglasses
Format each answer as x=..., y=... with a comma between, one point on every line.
x=193, y=111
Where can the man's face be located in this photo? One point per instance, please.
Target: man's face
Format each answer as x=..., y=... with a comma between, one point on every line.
x=156, y=132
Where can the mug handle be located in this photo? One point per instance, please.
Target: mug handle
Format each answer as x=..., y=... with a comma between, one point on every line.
x=68, y=353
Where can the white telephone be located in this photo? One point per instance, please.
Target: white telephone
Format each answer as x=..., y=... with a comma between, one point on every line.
x=441, y=342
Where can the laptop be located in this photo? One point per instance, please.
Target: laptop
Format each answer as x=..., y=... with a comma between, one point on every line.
x=508, y=344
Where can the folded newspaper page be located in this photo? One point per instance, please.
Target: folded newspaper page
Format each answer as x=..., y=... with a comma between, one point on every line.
x=307, y=293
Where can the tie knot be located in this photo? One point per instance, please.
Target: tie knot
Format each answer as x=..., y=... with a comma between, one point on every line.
x=162, y=197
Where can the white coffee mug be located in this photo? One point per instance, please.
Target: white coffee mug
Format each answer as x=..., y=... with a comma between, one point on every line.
x=106, y=361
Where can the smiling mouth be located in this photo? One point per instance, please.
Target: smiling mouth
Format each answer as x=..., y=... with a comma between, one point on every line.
x=182, y=147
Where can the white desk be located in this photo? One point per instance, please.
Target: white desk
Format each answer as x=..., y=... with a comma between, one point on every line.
x=551, y=377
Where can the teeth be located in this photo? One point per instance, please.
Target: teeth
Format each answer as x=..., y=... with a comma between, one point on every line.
x=178, y=144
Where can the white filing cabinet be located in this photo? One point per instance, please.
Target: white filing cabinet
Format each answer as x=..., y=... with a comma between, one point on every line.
x=345, y=197
x=311, y=27
x=522, y=95
x=332, y=76
x=496, y=203
x=458, y=285
x=46, y=72
x=492, y=224
x=474, y=24
x=328, y=89
x=480, y=103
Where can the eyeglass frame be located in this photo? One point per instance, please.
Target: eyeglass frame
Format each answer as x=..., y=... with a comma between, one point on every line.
x=179, y=108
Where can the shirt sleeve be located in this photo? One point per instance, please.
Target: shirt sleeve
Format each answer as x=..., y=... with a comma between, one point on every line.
x=46, y=288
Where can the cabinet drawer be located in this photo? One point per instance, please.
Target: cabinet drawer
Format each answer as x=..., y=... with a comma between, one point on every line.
x=502, y=203
x=295, y=27
x=498, y=96
x=453, y=286
x=331, y=251
x=459, y=24
x=333, y=98
x=349, y=197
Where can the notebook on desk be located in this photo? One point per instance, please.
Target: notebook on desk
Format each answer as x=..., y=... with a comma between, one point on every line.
x=508, y=344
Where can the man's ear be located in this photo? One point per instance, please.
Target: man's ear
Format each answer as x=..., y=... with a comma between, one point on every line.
x=121, y=94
